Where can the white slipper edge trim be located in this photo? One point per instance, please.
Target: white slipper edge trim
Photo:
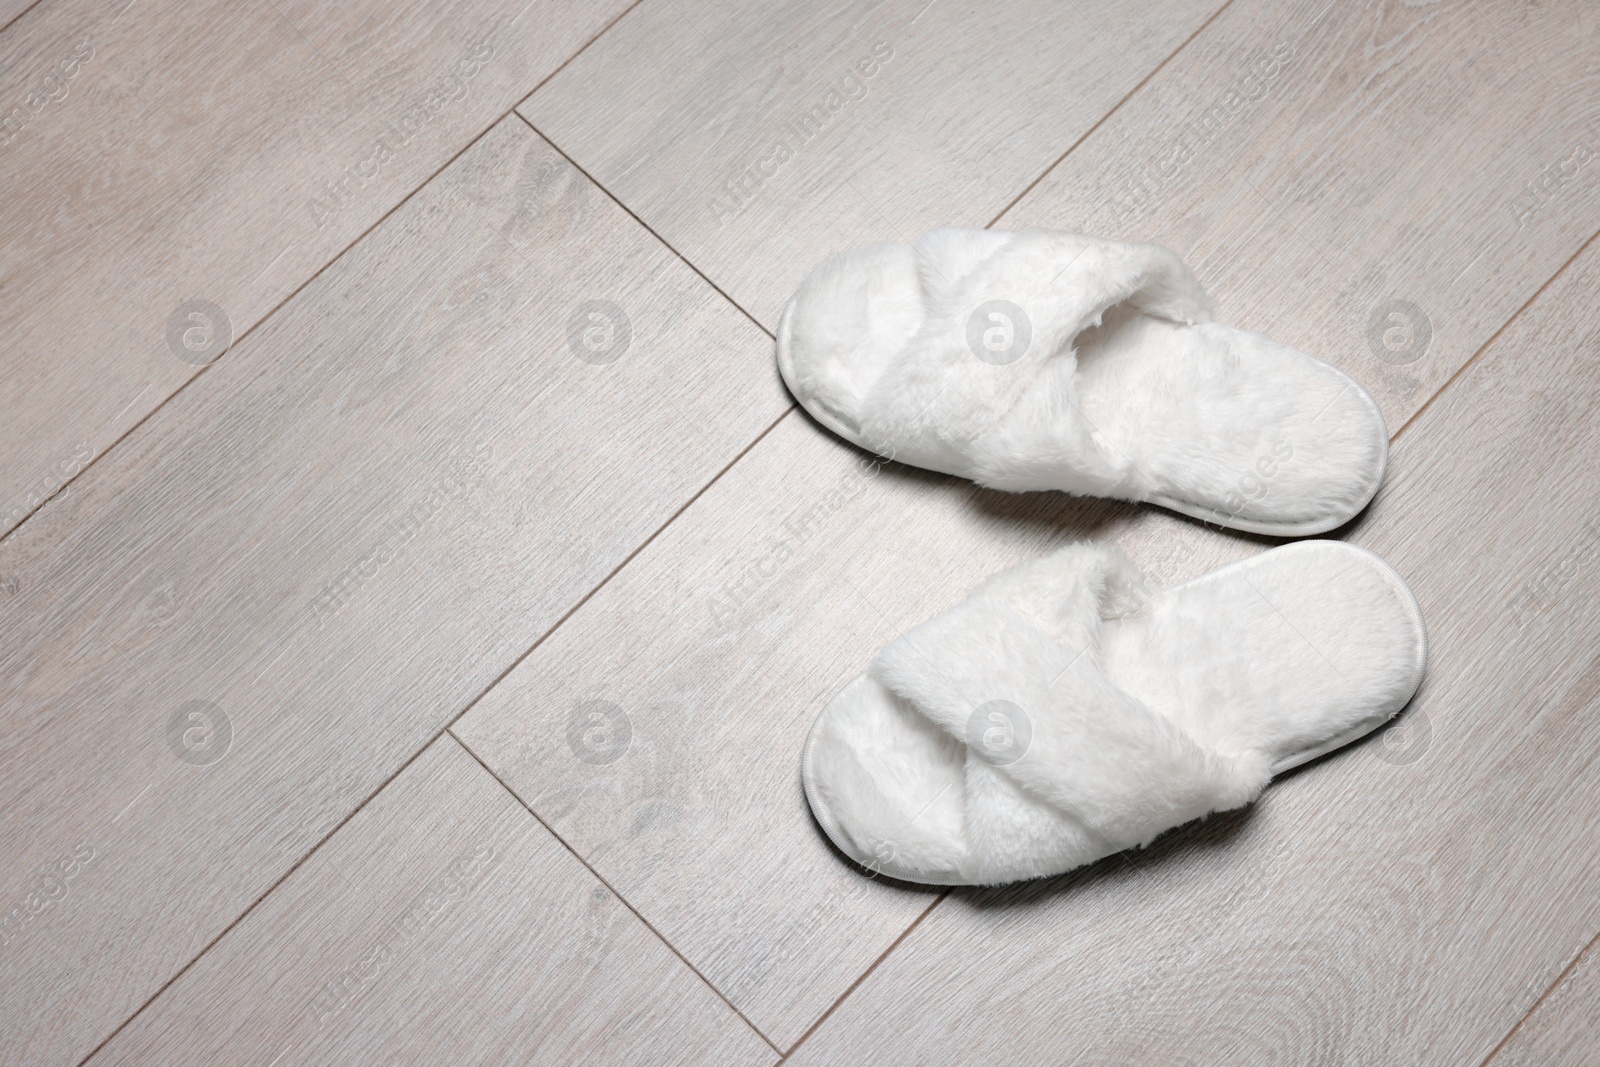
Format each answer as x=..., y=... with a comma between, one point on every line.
x=1408, y=602
x=1193, y=511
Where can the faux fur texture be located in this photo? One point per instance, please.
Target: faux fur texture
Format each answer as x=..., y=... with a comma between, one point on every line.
x=1126, y=387
x=1139, y=712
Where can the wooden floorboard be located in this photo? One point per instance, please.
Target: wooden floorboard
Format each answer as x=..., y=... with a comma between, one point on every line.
x=759, y=138
x=335, y=540
x=155, y=154
x=793, y=605
x=244, y=616
x=803, y=1005
x=1561, y=1031
x=717, y=646
x=442, y=924
x=1317, y=162
x=1406, y=900
x=10, y=10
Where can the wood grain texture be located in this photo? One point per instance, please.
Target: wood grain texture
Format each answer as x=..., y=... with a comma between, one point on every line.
x=893, y=118
x=720, y=643
x=442, y=924
x=10, y=9
x=1403, y=901
x=153, y=153
x=339, y=536
x=1313, y=161
x=1561, y=1031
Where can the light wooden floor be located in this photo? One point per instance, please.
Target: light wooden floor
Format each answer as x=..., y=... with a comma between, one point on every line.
x=384, y=683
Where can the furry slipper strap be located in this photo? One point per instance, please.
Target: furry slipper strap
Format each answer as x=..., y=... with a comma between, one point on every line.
x=1015, y=673
x=1016, y=302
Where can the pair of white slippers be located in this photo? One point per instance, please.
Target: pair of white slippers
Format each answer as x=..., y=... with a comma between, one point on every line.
x=1064, y=711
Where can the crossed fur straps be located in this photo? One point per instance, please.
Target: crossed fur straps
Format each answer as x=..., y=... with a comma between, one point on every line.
x=1054, y=287
x=1059, y=758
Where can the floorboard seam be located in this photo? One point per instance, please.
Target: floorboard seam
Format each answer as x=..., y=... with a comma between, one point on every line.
x=435, y=737
x=645, y=226
x=19, y=15
x=637, y=914
x=1157, y=69
x=295, y=866
x=471, y=140
x=864, y=976
x=1504, y=326
x=184, y=385
x=582, y=49
x=1546, y=995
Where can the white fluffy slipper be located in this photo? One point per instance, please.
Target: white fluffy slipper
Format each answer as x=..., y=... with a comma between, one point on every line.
x=1039, y=360
x=1063, y=713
